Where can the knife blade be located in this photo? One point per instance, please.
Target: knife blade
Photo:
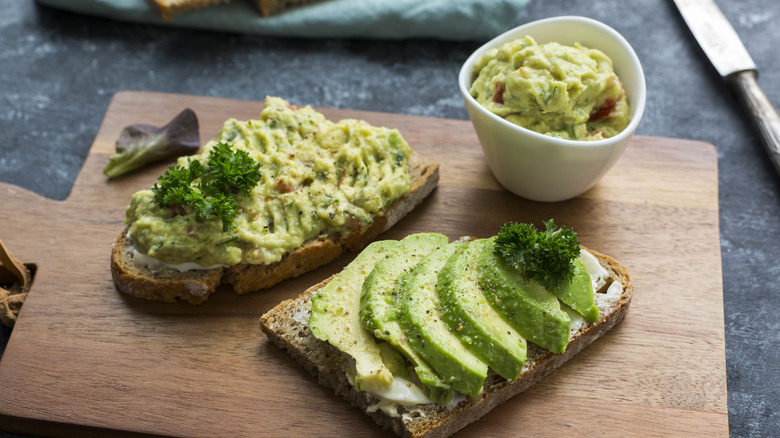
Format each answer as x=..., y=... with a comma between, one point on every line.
x=728, y=55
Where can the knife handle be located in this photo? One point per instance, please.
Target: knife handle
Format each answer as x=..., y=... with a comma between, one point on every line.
x=764, y=114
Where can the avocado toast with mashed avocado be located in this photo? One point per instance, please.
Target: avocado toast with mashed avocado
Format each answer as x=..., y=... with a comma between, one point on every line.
x=439, y=338
x=268, y=199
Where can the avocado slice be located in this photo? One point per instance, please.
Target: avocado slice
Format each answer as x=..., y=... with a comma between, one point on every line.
x=393, y=360
x=428, y=334
x=335, y=318
x=471, y=318
x=578, y=293
x=525, y=304
x=378, y=305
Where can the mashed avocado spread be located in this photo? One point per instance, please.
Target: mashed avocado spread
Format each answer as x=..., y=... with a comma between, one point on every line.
x=319, y=176
x=561, y=91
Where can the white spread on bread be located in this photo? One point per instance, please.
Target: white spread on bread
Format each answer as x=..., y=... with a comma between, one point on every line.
x=613, y=293
x=149, y=261
x=598, y=274
x=405, y=393
x=576, y=319
x=401, y=391
x=301, y=316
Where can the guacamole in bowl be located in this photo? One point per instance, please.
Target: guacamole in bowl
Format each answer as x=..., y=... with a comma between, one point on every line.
x=515, y=93
x=568, y=92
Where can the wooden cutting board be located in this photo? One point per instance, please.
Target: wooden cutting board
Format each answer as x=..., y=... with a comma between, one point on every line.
x=84, y=358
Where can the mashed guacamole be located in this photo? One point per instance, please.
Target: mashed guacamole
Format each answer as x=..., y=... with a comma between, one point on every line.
x=318, y=176
x=560, y=91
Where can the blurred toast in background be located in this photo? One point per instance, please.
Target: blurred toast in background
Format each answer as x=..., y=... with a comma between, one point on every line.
x=171, y=8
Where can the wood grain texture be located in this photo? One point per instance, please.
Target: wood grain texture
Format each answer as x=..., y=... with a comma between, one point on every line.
x=85, y=359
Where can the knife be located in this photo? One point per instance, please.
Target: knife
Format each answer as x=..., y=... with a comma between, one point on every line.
x=728, y=55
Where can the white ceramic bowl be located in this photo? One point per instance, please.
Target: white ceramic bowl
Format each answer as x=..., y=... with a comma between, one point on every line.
x=543, y=168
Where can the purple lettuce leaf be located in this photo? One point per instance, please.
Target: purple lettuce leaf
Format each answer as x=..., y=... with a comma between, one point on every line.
x=139, y=145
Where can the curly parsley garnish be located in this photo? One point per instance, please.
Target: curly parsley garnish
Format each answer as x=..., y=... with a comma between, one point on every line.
x=545, y=256
x=208, y=191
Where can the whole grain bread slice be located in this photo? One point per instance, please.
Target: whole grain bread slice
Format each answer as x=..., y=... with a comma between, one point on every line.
x=286, y=326
x=166, y=284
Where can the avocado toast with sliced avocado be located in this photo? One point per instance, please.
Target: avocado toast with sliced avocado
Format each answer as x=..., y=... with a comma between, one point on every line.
x=454, y=329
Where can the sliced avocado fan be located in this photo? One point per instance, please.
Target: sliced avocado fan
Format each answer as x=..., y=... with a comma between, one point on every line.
x=449, y=312
x=530, y=308
x=471, y=318
x=578, y=293
x=428, y=334
x=378, y=306
x=335, y=311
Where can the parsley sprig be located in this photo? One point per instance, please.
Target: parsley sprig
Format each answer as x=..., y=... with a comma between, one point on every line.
x=545, y=256
x=209, y=190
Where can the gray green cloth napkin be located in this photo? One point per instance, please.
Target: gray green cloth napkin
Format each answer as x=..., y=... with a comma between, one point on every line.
x=385, y=19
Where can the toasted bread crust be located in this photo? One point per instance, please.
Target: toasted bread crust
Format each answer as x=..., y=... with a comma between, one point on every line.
x=284, y=327
x=160, y=283
x=195, y=286
x=167, y=9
